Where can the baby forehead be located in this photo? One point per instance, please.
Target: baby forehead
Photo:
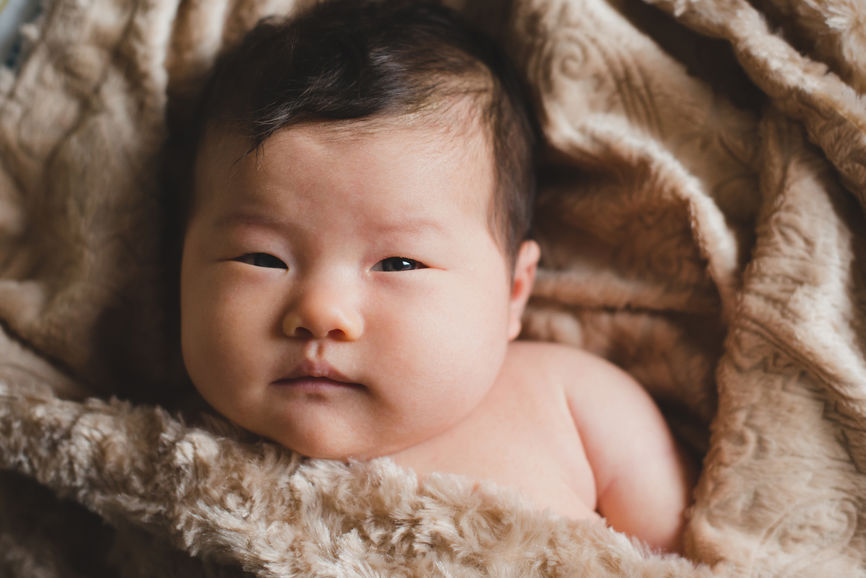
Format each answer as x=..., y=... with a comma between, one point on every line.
x=455, y=122
x=439, y=140
x=391, y=152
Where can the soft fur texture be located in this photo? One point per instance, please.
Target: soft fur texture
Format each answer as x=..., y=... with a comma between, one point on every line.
x=702, y=224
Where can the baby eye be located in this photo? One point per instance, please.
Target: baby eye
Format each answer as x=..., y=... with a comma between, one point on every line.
x=393, y=264
x=262, y=260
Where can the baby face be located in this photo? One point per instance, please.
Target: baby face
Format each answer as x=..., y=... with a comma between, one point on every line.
x=343, y=294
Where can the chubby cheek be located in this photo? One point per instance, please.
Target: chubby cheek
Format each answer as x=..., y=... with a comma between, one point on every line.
x=217, y=340
x=450, y=347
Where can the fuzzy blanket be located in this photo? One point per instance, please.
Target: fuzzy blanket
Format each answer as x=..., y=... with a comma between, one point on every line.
x=702, y=224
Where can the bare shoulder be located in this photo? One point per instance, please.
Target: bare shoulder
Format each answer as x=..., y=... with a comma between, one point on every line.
x=609, y=407
x=580, y=372
x=600, y=394
x=643, y=480
x=595, y=390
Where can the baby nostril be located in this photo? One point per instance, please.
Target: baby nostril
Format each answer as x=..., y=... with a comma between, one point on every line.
x=318, y=327
x=303, y=332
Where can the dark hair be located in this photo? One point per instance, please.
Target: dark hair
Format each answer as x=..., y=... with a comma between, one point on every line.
x=345, y=60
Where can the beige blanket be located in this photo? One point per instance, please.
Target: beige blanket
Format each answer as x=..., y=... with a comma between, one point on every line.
x=702, y=224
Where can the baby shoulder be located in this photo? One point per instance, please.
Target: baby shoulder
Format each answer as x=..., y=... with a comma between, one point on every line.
x=574, y=368
x=600, y=395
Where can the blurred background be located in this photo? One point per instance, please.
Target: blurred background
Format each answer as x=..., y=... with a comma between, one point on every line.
x=14, y=13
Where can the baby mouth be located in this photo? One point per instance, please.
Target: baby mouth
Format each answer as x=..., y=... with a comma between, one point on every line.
x=310, y=382
x=315, y=376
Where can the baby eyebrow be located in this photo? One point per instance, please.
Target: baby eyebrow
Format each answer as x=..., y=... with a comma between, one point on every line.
x=410, y=225
x=252, y=220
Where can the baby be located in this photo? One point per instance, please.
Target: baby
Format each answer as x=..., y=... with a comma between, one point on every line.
x=356, y=264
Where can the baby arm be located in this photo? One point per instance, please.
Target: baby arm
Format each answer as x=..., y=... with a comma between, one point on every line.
x=643, y=479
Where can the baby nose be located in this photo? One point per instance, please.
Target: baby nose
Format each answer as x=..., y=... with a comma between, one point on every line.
x=321, y=315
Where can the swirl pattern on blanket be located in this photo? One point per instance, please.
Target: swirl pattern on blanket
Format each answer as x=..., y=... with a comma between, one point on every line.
x=701, y=219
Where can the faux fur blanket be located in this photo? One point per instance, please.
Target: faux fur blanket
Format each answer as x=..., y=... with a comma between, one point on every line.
x=702, y=225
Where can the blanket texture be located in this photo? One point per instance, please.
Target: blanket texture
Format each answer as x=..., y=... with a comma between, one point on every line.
x=701, y=218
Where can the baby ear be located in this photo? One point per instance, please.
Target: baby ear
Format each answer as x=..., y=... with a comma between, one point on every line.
x=524, y=277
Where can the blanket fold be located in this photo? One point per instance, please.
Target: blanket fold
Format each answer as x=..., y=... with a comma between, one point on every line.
x=701, y=217
x=262, y=509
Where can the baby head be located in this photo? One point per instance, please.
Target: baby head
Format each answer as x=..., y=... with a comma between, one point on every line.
x=355, y=259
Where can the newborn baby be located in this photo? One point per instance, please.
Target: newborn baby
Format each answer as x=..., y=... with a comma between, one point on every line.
x=356, y=262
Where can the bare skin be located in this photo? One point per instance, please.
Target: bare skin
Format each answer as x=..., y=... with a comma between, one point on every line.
x=343, y=294
x=601, y=442
x=522, y=427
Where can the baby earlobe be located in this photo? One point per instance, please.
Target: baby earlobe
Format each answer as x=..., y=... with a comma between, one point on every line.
x=525, y=266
